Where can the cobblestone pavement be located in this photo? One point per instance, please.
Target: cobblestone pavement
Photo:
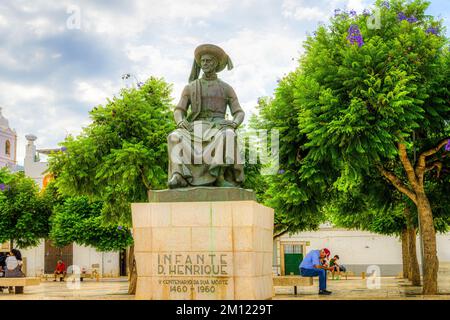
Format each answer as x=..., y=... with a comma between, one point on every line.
x=116, y=289
x=105, y=289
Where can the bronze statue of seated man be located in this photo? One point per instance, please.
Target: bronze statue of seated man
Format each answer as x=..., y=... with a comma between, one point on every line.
x=204, y=149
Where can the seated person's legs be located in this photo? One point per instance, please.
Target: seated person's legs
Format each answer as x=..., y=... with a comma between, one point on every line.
x=322, y=279
x=56, y=274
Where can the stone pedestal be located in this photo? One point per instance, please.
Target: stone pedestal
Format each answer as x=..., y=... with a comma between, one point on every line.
x=203, y=249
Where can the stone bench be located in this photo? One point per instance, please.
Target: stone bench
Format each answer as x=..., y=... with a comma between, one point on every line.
x=60, y=276
x=19, y=283
x=292, y=281
x=346, y=274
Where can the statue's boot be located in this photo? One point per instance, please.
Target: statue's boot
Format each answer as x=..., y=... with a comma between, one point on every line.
x=177, y=181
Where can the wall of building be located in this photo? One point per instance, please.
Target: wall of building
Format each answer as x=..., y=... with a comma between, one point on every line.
x=33, y=169
x=7, y=135
x=83, y=257
x=35, y=258
x=359, y=249
x=106, y=263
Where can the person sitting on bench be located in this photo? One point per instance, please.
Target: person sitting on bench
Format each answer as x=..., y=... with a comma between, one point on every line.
x=312, y=267
x=13, y=268
x=60, y=270
x=337, y=267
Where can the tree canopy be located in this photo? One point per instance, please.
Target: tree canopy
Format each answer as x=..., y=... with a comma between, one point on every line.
x=24, y=213
x=122, y=153
x=79, y=220
x=366, y=101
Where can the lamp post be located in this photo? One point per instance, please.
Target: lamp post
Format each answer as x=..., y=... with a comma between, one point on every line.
x=127, y=76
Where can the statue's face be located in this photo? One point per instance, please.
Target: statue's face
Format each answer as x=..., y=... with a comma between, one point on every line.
x=208, y=63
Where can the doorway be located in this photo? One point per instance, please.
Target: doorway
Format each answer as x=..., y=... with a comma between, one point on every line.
x=291, y=256
x=53, y=254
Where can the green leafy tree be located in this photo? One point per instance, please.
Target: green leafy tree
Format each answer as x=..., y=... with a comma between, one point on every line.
x=24, y=213
x=297, y=203
x=79, y=220
x=368, y=101
x=120, y=155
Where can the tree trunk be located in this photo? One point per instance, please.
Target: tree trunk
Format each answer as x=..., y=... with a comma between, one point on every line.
x=431, y=263
x=414, y=271
x=405, y=254
x=416, y=192
x=132, y=275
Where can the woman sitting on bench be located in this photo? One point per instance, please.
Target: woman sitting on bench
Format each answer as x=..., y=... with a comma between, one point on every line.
x=13, y=265
x=14, y=268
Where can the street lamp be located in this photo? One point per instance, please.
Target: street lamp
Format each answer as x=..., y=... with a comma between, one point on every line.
x=127, y=76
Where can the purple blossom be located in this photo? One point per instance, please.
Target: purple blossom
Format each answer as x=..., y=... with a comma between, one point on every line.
x=140, y=84
x=412, y=19
x=352, y=13
x=432, y=30
x=447, y=147
x=366, y=12
x=281, y=171
x=401, y=16
x=337, y=12
x=386, y=4
x=355, y=36
x=2, y=186
x=63, y=149
x=119, y=228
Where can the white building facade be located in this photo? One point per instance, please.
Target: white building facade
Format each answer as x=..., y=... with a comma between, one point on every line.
x=8, y=144
x=357, y=250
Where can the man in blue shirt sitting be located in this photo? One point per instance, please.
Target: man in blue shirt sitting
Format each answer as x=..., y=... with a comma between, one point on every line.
x=311, y=267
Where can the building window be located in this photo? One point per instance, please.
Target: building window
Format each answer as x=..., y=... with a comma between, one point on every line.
x=8, y=148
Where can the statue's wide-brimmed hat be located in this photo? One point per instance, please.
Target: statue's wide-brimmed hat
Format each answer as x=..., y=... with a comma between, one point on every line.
x=219, y=53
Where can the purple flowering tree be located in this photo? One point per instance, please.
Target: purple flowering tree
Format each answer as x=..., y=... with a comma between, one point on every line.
x=372, y=103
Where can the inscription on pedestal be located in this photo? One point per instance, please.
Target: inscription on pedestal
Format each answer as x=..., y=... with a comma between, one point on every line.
x=199, y=264
x=200, y=273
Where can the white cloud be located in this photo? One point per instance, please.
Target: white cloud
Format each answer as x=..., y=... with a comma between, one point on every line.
x=260, y=59
x=34, y=109
x=3, y=21
x=21, y=94
x=292, y=9
x=44, y=27
x=95, y=92
x=141, y=15
x=319, y=10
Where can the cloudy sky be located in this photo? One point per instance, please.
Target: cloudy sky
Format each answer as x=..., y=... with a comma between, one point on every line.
x=55, y=67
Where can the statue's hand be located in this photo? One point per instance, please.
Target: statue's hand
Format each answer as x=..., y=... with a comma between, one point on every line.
x=228, y=124
x=184, y=124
